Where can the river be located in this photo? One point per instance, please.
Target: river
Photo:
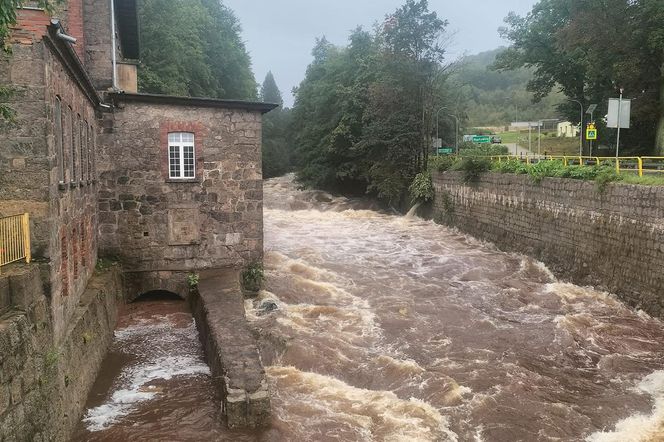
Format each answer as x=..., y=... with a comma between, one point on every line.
x=380, y=327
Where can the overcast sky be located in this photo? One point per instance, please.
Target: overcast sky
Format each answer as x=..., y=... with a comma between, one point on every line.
x=280, y=34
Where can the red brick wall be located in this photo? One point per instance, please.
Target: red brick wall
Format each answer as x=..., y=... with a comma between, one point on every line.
x=30, y=27
x=75, y=25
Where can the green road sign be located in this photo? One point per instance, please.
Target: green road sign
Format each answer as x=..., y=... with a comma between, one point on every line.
x=445, y=150
x=481, y=139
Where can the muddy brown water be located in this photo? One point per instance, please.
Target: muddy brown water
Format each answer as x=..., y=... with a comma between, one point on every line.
x=378, y=327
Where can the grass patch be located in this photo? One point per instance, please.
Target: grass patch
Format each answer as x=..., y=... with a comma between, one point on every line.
x=646, y=180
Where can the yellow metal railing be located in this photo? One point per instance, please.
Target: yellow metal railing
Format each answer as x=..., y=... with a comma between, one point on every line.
x=14, y=239
x=638, y=165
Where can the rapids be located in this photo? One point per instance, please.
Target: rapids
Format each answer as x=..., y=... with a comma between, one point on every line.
x=380, y=327
x=392, y=328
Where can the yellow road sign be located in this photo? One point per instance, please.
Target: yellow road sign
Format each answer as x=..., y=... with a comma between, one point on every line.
x=591, y=132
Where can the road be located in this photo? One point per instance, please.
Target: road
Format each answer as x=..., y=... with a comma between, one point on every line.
x=515, y=149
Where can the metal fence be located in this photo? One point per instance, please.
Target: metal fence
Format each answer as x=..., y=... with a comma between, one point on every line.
x=14, y=239
x=640, y=165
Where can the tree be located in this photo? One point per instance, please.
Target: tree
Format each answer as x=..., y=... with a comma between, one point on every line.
x=363, y=114
x=276, y=143
x=591, y=49
x=193, y=48
x=270, y=93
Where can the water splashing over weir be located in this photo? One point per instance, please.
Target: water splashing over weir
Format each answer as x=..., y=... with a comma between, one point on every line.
x=393, y=328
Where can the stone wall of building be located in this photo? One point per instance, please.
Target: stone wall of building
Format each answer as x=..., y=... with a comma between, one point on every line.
x=611, y=239
x=43, y=383
x=156, y=224
x=47, y=161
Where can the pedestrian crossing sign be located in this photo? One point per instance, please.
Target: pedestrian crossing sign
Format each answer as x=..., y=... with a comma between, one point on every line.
x=591, y=132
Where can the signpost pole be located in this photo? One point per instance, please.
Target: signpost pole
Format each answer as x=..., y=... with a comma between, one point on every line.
x=619, y=123
x=539, y=138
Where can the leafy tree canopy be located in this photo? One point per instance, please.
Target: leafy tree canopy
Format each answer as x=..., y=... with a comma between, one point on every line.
x=193, y=48
x=363, y=115
x=591, y=49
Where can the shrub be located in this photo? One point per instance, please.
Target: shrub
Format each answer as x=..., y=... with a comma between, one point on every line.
x=510, y=166
x=441, y=163
x=606, y=175
x=192, y=280
x=253, y=277
x=544, y=169
x=421, y=189
x=472, y=167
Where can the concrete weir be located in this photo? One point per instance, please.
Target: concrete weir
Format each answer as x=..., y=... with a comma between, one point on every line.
x=231, y=349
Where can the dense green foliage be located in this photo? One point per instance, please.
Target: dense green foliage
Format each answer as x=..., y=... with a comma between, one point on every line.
x=589, y=50
x=193, y=48
x=494, y=98
x=277, y=156
x=421, y=189
x=363, y=116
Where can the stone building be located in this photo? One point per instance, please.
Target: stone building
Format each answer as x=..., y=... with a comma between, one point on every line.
x=167, y=185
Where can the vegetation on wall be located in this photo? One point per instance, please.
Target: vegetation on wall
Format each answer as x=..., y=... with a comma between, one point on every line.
x=364, y=114
x=589, y=50
x=193, y=48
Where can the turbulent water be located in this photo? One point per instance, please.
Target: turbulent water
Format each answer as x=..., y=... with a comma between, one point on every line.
x=378, y=327
x=392, y=328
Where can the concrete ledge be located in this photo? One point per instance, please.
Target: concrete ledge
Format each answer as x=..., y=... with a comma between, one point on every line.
x=231, y=349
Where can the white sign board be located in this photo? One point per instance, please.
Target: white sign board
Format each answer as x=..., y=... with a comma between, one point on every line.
x=625, y=113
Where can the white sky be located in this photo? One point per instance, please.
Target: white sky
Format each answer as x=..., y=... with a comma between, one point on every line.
x=280, y=34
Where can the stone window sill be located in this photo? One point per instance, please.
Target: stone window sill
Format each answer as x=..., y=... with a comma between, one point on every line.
x=187, y=181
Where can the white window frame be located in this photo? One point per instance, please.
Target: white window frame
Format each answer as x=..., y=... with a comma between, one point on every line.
x=180, y=145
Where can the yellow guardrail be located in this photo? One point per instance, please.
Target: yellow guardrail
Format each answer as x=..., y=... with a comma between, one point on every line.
x=14, y=239
x=639, y=165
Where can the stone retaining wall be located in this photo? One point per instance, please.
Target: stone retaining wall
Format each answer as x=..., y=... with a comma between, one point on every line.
x=611, y=239
x=231, y=349
x=44, y=384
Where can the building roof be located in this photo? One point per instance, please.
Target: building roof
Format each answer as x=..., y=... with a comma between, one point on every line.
x=127, y=23
x=194, y=101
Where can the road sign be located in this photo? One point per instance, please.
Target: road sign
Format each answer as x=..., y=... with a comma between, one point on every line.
x=481, y=139
x=616, y=106
x=445, y=150
x=591, y=132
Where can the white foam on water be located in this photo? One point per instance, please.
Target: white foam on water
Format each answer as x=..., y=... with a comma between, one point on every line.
x=378, y=415
x=640, y=427
x=133, y=384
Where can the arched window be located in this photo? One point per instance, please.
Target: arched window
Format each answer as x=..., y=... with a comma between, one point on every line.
x=181, y=156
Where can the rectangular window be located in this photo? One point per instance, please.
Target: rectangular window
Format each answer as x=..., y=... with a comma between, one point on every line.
x=84, y=149
x=72, y=146
x=88, y=137
x=59, y=140
x=94, y=153
x=79, y=149
x=181, y=155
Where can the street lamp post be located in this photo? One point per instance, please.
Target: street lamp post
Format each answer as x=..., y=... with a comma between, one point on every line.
x=437, y=121
x=580, y=128
x=456, y=134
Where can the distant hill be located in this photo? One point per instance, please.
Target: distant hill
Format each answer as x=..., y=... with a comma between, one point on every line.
x=494, y=98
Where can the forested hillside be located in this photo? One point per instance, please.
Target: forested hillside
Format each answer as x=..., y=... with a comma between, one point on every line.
x=493, y=98
x=193, y=48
